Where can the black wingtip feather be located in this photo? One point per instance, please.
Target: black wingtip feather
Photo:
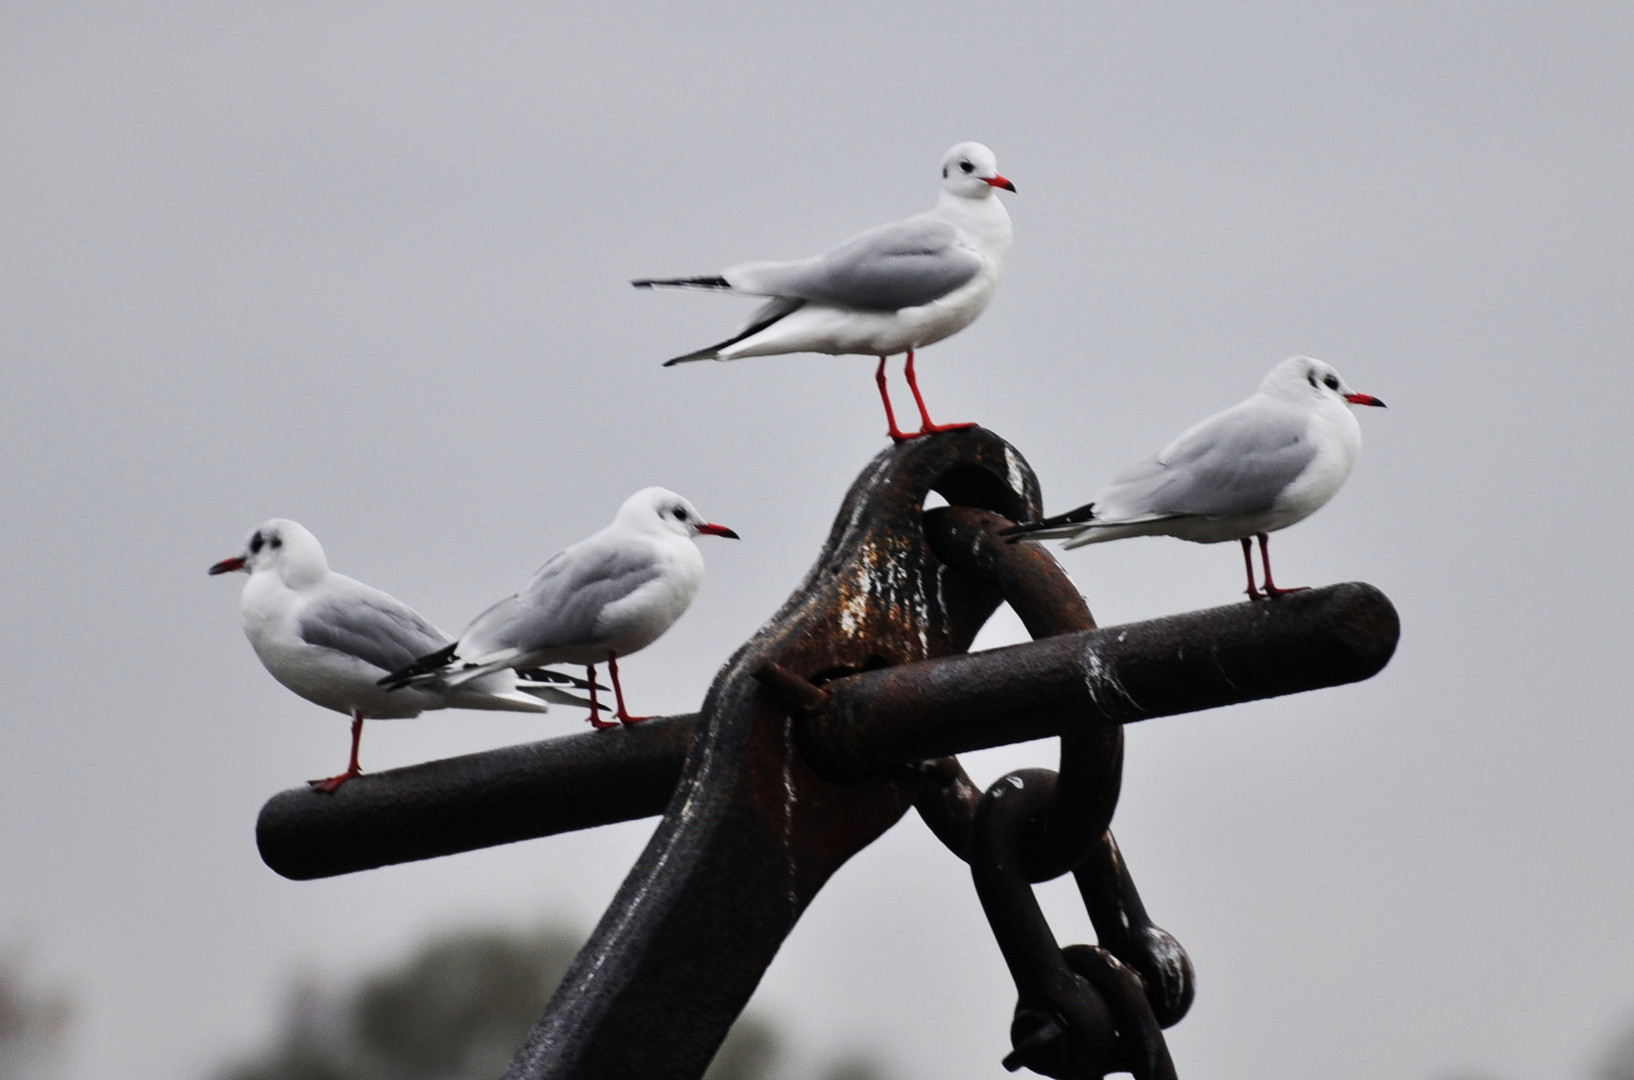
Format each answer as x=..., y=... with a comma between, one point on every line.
x=715, y=282
x=425, y=665
x=561, y=678
x=777, y=308
x=1079, y=516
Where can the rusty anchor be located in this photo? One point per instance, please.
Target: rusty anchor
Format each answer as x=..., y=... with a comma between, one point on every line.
x=820, y=732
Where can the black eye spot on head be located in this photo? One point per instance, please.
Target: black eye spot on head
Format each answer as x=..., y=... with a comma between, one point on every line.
x=255, y=543
x=1332, y=382
x=967, y=166
x=680, y=513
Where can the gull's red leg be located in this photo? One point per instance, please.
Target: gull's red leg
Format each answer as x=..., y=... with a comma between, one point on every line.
x=927, y=427
x=352, y=769
x=618, y=692
x=595, y=707
x=1265, y=557
x=895, y=432
x=1248, y=564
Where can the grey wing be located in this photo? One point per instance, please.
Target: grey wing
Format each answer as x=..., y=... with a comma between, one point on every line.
x=1236, y=462
x=562, y=602
x=370, y=625
x=904, y=264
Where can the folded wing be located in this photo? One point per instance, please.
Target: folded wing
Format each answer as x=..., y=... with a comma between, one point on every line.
x=1238, y=462
x=904, y=264
x=370, y=625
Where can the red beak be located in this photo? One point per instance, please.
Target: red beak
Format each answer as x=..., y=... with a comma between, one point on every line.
x=1364, y=399
x=999, y=181
x=227, y=566
x=717, y=530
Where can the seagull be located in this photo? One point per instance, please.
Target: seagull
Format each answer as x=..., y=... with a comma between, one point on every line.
x=1257, y=467
x=892, y=289
x=607, y=596
x=330, y=638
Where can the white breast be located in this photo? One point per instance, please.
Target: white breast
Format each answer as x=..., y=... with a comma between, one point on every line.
x=1337, y=438
x=639, y=619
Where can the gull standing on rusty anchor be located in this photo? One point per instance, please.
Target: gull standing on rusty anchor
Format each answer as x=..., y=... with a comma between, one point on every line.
x=604, y=597
x=329, y=638
x=1259, y=466
x=891, y=289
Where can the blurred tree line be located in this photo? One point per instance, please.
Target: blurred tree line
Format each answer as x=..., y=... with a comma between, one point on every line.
x=33, y=1025
x=457, y=1009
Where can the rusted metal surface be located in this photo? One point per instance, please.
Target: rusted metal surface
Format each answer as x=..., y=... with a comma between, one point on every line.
x=817, y=736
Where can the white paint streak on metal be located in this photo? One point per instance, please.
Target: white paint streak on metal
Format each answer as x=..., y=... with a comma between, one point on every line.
x=1099, y=677
x=855, y=605
x=1012, y=473
x=921, y=606
x=1214, y=655
x=789, y=799
x=629, y=912
x=640, y=897
x=941, y=600
x=883, y=581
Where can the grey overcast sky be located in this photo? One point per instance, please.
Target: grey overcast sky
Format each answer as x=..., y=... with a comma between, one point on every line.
x=366, y=267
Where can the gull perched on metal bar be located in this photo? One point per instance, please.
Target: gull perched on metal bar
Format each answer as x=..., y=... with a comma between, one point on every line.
x=892, y=289
x=604, y=597
x=330, y=638
x=1259, y=466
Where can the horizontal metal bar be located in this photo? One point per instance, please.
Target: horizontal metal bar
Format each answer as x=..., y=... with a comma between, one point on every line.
x=477, y=800
x=1117, y=674
x=873, y=720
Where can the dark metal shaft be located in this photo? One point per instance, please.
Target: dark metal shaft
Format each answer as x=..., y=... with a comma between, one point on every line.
x=476, y=801
x=1113, y=675
x=873, y=720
